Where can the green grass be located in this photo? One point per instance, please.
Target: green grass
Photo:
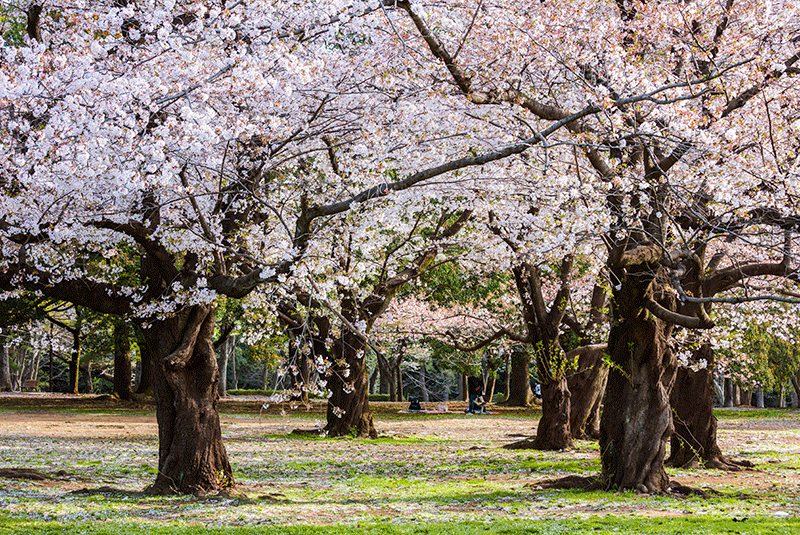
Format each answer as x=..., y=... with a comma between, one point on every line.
x=622, y=526
x=420, y=483
x=749, y=413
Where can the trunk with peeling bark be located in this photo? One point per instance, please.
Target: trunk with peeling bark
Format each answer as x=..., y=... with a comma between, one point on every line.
x=520, y=393
x=348, y=407
x=637, y=421
x=695, y=439
x=587, y=387
x=191, y=456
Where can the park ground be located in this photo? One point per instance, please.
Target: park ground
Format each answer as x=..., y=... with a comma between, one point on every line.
x=425, y=474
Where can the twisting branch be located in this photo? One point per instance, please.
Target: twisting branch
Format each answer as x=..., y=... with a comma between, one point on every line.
x=502, y=333
x=745, y=96
x=690, y=322
x=463, y=81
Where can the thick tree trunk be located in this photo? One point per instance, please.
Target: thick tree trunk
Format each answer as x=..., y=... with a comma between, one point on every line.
x=5, y=366
x=743, y=397
x=553, y=432
x=122, y=360
x=385, y=381
x=191, y=456
x=587, y=387
x=31, y=370
x=348, y=407
x=637, y=421
x=692, y=400
x=520, y=393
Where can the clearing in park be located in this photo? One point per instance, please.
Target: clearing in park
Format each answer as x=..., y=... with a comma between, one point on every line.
x=425, y=474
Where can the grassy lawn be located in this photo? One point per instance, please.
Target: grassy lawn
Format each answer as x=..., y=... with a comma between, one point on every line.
x=446, y=474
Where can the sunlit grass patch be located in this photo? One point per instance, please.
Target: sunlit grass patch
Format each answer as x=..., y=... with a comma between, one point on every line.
x=750, y=413
x=623, y=526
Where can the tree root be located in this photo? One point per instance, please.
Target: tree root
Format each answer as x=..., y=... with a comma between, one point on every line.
x=524, y=444
x=570, y=483
x=305, y=432
x=106, y=490
x=224, y=494
x=275, y=497
x=592, y=483
x=531, y=443
x=677, y=488
x=24, y=473
x=721, y=462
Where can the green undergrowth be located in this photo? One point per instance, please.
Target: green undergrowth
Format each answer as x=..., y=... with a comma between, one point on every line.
x=622, y=526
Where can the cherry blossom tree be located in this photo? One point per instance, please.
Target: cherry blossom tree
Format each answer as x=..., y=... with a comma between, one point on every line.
x=712, y=156
x=209, y=146
x=213, y=144
x=364, y=273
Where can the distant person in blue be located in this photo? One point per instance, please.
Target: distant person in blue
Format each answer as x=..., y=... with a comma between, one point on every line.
x=475, y=391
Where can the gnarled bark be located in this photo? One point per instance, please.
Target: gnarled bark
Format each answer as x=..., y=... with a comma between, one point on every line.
x=553, y=431
x=694, y=441
x=191, y=456
x=587, y=387
x=636, y=421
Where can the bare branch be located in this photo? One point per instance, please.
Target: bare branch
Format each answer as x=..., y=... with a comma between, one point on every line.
x=690, y=322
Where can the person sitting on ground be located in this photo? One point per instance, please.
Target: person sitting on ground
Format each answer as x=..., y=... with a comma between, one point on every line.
x=414, y=404
x=475, y=391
